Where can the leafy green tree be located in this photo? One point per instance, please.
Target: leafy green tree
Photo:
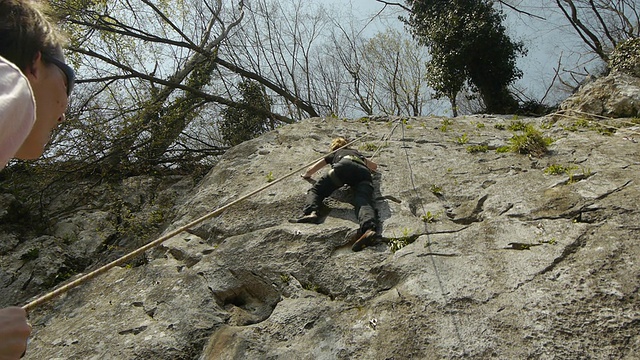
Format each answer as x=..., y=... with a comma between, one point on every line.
x=469, y=46
x=242, y=124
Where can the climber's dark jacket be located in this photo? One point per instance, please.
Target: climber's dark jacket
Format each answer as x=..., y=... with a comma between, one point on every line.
x=347, y=167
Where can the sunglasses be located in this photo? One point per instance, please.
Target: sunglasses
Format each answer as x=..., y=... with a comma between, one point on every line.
x=66, y=69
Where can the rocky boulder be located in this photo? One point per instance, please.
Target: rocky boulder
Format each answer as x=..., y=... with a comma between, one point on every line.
x=484, y=254
x=85, y=223
x=615, y=95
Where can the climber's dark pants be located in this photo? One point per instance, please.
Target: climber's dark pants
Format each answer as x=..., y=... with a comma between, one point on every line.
x=358, y=177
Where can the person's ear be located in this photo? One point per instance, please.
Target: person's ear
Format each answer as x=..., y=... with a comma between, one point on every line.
x=34, y=69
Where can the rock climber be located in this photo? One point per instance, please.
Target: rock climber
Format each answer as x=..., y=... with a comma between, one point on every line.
x=350, y=167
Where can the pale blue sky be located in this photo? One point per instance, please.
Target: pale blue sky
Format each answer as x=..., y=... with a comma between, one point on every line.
x=546, y=40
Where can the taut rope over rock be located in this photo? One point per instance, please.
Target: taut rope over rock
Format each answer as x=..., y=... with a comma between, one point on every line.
x=81, y=280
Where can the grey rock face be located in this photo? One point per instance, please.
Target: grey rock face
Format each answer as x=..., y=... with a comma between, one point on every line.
x=616, y=95
x=85, y=223
x=501, y=260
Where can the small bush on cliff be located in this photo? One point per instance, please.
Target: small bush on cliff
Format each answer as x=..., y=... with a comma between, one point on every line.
x=431, y=217
x=30, y=255
x=531, y=142
x=445, y=125
x=557, y=169
x=519, y=125
x=270, y=176
x=368, y=147
x=462, y=139
x=472, y=149
x=407, y=238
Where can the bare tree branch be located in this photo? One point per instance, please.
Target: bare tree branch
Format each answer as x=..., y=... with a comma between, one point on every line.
x=394, y=4
x=556, y=75
x=169, y=22
x=172, y=84
x=601, y=21
x=520, y=11
x=593, y=42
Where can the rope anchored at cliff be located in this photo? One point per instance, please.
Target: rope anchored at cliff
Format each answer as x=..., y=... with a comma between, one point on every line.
x=95, y=273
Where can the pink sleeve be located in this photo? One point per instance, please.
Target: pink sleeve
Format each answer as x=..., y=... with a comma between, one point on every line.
x=17, y=110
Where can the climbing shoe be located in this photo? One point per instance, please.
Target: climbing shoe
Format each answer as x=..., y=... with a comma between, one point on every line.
x=365, y=240
x=312, y=218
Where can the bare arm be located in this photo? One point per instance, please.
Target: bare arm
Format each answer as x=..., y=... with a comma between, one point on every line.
x=371, y=165
x=14, y=331
x=314, y=168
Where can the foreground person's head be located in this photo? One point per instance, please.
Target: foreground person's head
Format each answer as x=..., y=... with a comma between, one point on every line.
x=32, y=42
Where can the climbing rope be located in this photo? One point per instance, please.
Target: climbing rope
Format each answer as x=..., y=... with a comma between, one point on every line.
x=426, y=231
x=382, y=140
x=568, y=114
x=85, y=278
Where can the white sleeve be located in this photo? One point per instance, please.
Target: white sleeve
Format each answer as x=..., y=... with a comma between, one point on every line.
x=17, y=110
